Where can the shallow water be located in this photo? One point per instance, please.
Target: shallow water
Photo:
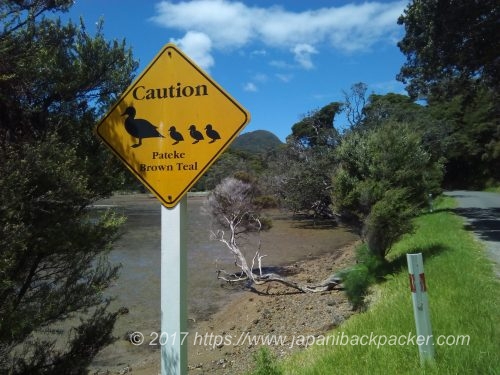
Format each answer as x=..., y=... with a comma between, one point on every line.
x=138, y=250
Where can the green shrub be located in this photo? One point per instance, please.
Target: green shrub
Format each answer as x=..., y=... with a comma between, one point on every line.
x=357, y=280
x=266, y=201
x=389, y=219
x=266, y=363
x=374, y=264
x=385, y=174
x=266, y=222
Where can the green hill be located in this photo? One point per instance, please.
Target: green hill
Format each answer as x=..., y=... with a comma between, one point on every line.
x=258, y=141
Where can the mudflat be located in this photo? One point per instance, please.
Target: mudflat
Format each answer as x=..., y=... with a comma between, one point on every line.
x=227, y=324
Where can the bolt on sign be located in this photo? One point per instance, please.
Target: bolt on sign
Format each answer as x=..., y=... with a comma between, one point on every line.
x=171, y=124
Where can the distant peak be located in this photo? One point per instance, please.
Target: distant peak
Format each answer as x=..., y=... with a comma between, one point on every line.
x=257, y=141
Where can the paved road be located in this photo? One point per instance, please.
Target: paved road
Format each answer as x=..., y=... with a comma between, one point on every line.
x=481, y=211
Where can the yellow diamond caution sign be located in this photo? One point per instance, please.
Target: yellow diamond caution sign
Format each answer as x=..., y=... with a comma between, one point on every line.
x=171, y=124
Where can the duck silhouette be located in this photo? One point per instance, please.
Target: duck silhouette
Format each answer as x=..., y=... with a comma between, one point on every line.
x=139, y=128
x=175, y=135
x=212, y=134
x=195, y=134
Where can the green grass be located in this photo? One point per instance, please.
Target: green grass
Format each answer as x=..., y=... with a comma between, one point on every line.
x=493, y=189
x=464, y=299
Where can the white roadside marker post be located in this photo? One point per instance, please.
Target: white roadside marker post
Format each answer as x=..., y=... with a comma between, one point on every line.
x=173, y=303
x=418, y=289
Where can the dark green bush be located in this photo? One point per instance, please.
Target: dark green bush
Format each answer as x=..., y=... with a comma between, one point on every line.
x=388, y=220
x=374, y=264
x=385, y=175
x=266, y=201
x=357, y=280
x=266, y=222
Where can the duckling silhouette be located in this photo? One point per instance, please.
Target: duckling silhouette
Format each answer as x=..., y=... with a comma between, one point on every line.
x=195, y=134
x=139, y=128
x=212, y=134
x=175, y=135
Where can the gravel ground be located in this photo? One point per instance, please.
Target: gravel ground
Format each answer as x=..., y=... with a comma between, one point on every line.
x=277, y=313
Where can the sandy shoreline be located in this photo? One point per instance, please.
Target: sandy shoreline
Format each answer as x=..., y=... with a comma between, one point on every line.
x=225, y=344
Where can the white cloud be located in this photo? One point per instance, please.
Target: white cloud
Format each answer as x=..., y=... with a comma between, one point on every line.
x=198, y=47
x=280, y=64
x=303, y=54
x=261, y=77
x=250, y=87
x=232, y=24
x=260, y=52
x=228, y=24
x=284, y=77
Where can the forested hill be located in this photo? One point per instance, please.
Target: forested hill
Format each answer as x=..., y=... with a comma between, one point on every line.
x=258, y=141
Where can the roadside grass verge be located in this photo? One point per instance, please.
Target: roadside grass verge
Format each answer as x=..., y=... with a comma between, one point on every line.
x=464, y=299
x=493, y=189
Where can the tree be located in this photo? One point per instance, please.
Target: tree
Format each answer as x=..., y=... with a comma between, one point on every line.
x=230, y=163
x=473, y=134
x=449, y=43
x=232, y=205
x=300, y=174
x=391, y=106
x=316, y=128
x=55, y=82
x=384, y=175
x=301, y=180
x=451, y=49
x=354, y=103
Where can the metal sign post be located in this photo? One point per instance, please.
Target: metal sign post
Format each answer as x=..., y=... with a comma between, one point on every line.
x=418, y=289
x=173, y=339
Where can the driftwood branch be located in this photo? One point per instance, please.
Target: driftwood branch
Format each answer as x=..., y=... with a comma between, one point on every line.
x=262, y=278
x=258, y=277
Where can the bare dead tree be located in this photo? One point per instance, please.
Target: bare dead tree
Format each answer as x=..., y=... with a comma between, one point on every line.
x=231, y=205
x=355, y=102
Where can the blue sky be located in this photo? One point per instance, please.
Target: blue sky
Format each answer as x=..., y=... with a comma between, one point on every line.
x=280, y=59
